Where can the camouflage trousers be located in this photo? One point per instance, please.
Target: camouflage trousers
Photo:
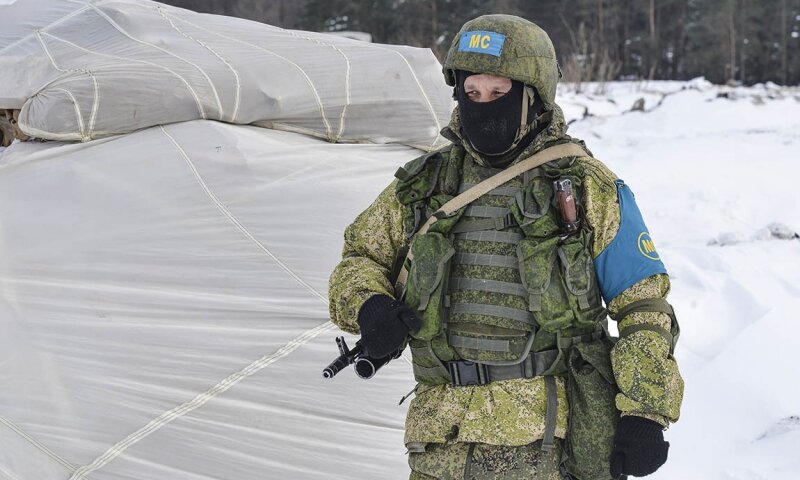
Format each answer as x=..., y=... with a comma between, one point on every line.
x=479, y=461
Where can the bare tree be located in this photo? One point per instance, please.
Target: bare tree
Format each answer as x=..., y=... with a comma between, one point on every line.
x=653, y=55
x=784, y=37
x=578, y=66
x=607, y=70
x=732, y=37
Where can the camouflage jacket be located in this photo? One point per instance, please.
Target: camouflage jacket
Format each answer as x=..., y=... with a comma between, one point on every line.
x=512, y=412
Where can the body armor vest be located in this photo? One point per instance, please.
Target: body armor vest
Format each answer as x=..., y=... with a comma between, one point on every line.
x=497, y=283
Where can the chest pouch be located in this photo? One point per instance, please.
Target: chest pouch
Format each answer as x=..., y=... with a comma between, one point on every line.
x=428, y=276
x=560, y=279
x=428, y=272
x=534, y=207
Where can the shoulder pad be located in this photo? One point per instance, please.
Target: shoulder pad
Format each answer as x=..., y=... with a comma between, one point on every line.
x=419, y=177
x=412, y=168
x=601, y=174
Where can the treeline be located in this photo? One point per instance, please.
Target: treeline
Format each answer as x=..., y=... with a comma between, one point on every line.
x=747, y=41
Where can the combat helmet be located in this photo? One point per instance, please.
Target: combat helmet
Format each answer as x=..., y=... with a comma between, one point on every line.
x=507, y=46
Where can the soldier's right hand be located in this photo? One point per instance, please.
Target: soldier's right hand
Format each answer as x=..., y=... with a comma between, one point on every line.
x=384, y=324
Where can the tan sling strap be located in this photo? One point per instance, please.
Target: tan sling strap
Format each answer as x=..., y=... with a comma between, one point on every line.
x=446, y=210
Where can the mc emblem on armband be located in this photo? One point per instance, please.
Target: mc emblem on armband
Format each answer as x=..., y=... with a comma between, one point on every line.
x=647, y=247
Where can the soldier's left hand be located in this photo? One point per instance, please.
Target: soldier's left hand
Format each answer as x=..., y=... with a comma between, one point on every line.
x=639, y=447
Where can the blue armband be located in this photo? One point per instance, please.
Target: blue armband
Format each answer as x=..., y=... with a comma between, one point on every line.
x=631, y=256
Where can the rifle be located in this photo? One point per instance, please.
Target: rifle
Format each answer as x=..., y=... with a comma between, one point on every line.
x=365, y=366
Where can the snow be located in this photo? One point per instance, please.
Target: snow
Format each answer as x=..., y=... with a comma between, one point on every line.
x=716, y=180
x=714, y=171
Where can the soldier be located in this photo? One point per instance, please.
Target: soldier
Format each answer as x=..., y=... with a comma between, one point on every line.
x=503, y=301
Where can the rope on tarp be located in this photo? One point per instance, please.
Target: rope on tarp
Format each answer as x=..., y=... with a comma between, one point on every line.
x=16, y=429
x=237, y=223
x=198, y=401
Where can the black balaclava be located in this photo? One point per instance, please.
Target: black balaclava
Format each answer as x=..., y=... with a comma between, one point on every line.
x=491, y=127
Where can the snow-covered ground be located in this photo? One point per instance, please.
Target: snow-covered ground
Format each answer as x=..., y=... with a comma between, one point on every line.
x=712, y=167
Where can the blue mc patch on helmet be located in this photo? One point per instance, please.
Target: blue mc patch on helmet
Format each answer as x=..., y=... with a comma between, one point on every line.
x=490, y=43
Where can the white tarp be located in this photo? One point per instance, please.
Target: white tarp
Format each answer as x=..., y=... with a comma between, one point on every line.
x=80, y=70
x=163, y=294
x=163, y=309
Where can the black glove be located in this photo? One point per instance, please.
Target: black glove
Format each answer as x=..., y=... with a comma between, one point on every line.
x=639, y=447
x=384, y=324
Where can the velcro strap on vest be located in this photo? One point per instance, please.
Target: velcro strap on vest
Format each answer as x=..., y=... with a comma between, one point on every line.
x=430, y=373
x=486, y=260
x=535, y=302
x=493, y=223
x=479, y=343
x=421, y=371
x=492, y=286
x=419, y=218
x=484, y=211
x=583, y=301
x=494, y=311
x=548, y=441
x=491, y=236
x=402, y=174
x=567, y=342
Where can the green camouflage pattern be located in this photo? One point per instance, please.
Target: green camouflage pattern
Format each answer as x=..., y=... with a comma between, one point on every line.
x=508, y=412
x=511, y=412
x=541, y=270
x=647, y=374
x=527, y=55
x=370, y=245
x=480, y=326
x=558, y=272
x=593, y=416
x=431, y=253
x=479, y=461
